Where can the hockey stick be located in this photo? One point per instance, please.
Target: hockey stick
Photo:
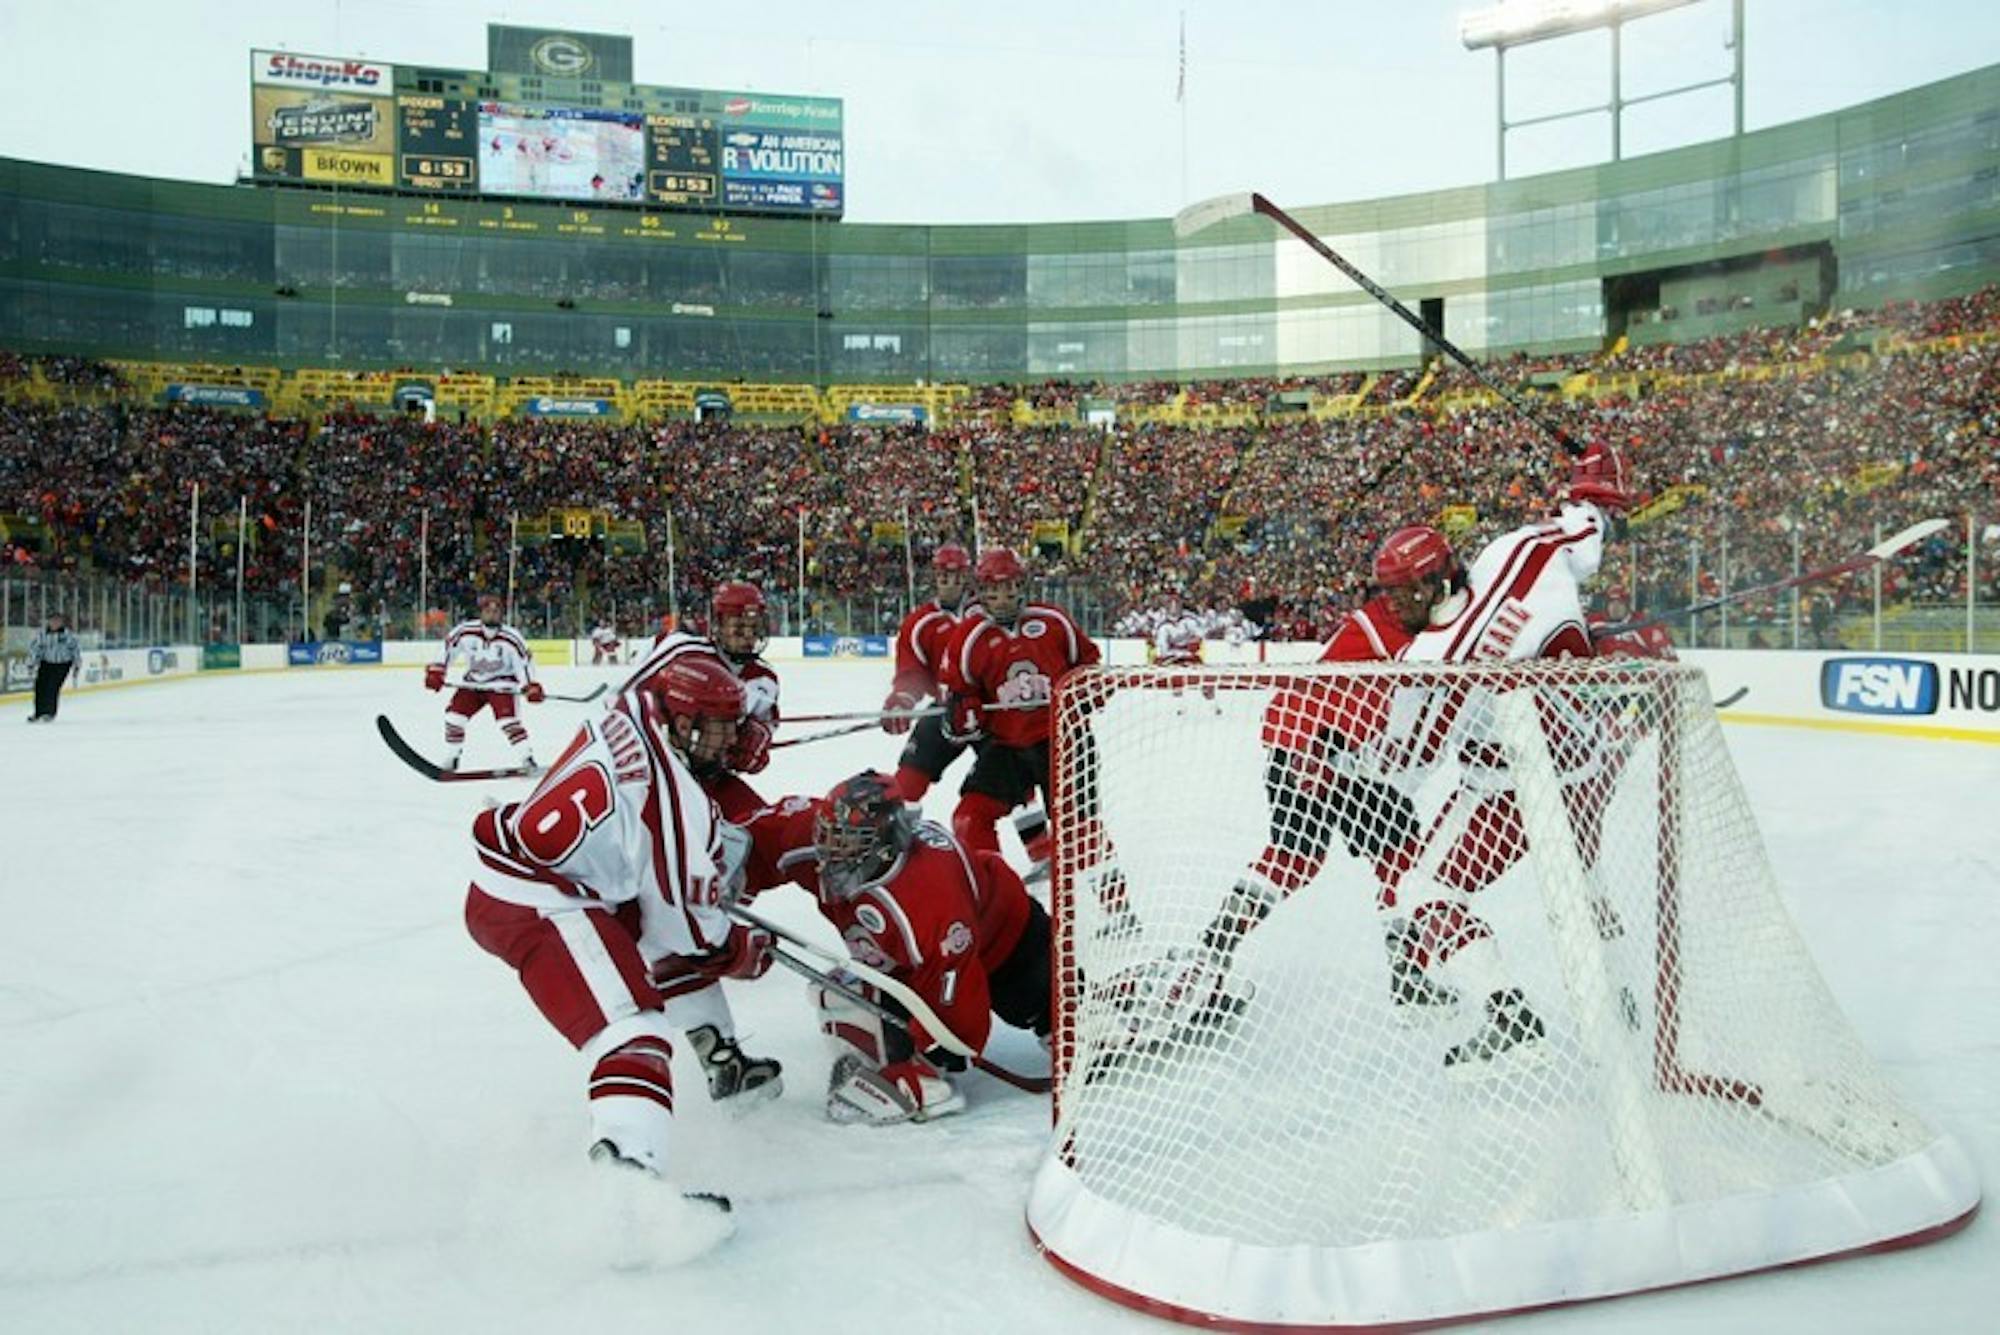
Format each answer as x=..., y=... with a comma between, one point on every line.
x=435, y=772
x=869, y=715
x=822, y=736
x=1211, y=212
x=1031, y=1084
x=918, y=1008
x=1874, y=556
x=583, y=699
x=1732, y=697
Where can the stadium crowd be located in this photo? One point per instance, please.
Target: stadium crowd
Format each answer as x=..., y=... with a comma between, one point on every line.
x=1760, y=449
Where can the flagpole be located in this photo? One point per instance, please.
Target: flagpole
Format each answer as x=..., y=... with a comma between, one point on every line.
x=1180, y=96
x=242, y=522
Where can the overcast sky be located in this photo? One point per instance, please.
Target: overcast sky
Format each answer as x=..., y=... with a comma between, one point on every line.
x=1016, y=110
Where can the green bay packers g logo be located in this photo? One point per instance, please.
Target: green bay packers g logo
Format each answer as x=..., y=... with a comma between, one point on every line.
x=562, y=55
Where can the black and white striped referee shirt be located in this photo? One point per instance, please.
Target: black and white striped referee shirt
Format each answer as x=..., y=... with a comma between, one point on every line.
x=53, y=646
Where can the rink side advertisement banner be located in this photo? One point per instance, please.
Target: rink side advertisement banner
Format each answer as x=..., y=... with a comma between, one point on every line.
x=1954, y=696
x=333, y=653
x=846, y=646
x=108, y=667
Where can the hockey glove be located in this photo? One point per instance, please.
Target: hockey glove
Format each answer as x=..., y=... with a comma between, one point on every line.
x=897, y=703
x=434, y=677
x=535, y=693
x=964, y=722
x=746, y=954
x=751, y=751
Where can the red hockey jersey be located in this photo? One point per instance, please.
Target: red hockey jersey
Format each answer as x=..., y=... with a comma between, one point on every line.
x=1355, y=707
x=1017, y=669
x=921, y=642
x=941, y=919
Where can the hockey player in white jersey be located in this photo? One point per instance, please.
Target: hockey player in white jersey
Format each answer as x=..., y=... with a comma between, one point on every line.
x=1525, y=602
x=696, y=1000
x=494, y=666
x=607, y=882
x=1177, y=639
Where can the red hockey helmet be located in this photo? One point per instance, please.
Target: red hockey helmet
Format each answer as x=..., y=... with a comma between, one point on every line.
x=1412, y=555
x=1002, y=584
x=951, y=556
x=999, y=564
x=709, y=696
x=742, y=618
x=1600, y=475
x=863, y=826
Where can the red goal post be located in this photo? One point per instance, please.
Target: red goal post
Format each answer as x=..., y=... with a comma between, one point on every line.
x=1284, y=1143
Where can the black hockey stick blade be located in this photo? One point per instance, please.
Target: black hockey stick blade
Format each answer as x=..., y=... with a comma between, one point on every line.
x=1732, y=697
x=583, y=699
x=435, y=772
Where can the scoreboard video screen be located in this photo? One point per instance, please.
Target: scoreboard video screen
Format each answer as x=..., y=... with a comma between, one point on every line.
x=562, y=153
x=364, y=123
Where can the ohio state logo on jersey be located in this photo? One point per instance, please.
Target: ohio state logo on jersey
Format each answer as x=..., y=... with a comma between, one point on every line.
x=1025, y=684
x=863, y=946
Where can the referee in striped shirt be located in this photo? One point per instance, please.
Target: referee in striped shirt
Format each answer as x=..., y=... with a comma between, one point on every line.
x=53, y=656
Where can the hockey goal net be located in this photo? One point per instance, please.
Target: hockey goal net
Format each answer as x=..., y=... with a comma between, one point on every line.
x=1393, y=994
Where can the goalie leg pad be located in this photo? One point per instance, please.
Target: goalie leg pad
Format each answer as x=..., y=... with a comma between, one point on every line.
x=859, y=1093
x=853, y=1028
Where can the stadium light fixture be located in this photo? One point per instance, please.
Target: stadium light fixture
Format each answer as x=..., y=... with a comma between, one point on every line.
x=1523, y=22
x=1526, y=21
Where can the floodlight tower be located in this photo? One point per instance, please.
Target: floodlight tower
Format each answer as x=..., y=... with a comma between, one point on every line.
x=1527, y=21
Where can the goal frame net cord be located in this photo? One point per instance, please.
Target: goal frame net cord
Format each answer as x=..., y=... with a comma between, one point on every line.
x=1651, y=1229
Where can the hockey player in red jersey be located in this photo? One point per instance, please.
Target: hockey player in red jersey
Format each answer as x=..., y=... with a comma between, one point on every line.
x=495, y=668
x=954, y=924
x=921, y=642
x=606, y=881
x=1525, y=602
x=1001, y=670
x=1647, y=641
x=1320, y=781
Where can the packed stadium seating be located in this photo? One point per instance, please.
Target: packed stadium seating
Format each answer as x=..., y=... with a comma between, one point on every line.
x=1778, y=445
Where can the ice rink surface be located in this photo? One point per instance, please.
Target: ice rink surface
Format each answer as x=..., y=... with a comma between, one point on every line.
x=254, y=1076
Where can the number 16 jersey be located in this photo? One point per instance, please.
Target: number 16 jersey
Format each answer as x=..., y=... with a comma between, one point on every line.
x=617, y=820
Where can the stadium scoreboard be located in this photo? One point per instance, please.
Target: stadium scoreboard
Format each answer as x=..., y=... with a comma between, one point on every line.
x=332, y=120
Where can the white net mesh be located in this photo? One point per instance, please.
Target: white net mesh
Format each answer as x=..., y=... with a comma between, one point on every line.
x=1360, y=954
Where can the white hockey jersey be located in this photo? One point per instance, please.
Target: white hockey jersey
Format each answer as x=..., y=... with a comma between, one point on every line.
x=1177, y=640
x=493, y=658
x=617, y=820
x=1525, y=596
x=760, y=683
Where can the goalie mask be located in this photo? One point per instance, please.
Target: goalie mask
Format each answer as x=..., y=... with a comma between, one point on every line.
x=863, y=827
